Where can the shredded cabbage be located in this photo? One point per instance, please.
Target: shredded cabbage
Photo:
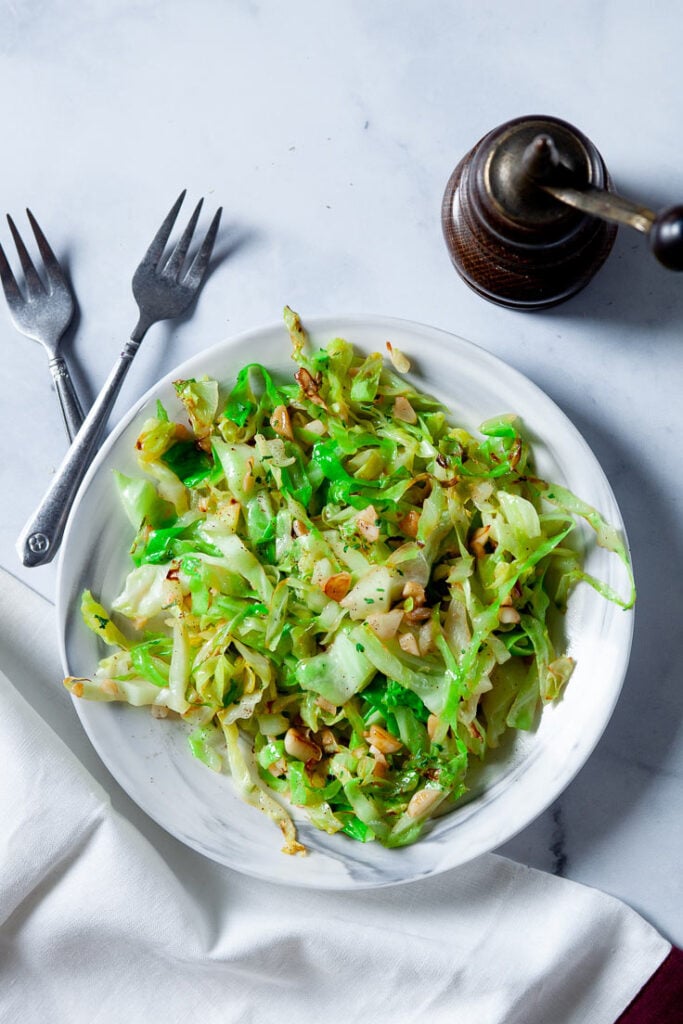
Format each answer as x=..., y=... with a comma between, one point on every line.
x=346, y=597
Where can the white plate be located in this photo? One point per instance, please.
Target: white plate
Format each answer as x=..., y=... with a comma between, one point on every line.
x=150, y=758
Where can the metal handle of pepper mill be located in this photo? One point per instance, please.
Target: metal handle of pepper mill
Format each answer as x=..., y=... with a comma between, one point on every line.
x=542, y=163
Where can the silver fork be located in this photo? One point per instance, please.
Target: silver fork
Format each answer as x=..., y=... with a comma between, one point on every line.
x=161, y=294
x=43, y=313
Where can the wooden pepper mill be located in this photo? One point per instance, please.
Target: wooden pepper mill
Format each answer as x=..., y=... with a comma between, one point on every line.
x=530, y=214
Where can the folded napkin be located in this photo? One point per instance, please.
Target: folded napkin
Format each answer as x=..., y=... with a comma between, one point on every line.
x=105, y=918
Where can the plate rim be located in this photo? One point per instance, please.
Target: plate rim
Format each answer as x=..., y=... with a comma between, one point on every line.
x=342, y=324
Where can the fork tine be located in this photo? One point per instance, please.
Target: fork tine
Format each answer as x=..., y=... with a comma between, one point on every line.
x=200, y=263
x=34, y=286
x=177, y=257
x=53, y=270
x=9, y=284
x=156, y=249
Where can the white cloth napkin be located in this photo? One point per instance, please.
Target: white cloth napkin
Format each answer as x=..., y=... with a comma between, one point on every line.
x=103, y=920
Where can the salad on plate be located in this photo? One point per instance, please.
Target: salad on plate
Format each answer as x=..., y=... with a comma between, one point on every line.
x=345, y=596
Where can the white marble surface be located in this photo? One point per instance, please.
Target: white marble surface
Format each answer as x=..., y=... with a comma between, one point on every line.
x=328, y=133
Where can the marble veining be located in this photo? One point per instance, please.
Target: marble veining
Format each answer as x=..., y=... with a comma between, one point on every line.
x=558, y=844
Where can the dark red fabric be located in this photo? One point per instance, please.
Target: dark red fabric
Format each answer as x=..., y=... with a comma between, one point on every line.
x=660, y=1001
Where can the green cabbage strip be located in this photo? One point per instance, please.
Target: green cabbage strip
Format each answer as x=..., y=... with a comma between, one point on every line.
x=344, y=596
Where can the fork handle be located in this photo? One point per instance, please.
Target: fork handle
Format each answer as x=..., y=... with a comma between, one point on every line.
x=68, y=399
x=40, y=539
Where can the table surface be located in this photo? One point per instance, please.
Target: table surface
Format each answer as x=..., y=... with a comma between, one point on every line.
x=328, y=134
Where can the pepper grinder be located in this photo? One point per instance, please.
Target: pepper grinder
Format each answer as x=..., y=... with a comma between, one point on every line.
x=530, y=215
